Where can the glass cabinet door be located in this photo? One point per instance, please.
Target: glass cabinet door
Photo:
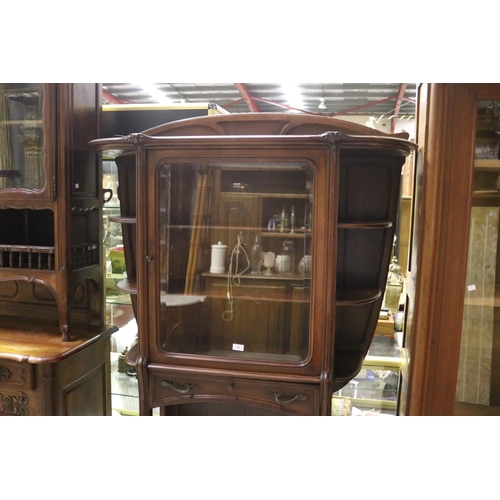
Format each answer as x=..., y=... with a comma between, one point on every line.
x=235, y=242
x=24, y=110
x=478, y=389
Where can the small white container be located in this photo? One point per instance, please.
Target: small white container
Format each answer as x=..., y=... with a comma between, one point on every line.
x=218, y=261
x=283, y=264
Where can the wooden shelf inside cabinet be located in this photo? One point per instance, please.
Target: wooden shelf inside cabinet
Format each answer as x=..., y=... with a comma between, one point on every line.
x=298, y=234
x=491, y=165
x=365, y=225
x=285, y=196
x=257, y=287
x=488, y=194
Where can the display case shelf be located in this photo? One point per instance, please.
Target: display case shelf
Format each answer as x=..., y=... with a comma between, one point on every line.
x=128, y=286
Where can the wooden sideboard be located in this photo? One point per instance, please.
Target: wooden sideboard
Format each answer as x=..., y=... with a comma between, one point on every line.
x=42, y=376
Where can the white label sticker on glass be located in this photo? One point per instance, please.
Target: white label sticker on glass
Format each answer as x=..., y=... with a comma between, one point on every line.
x=238, y=347
x=471, y=288
x=77, y=186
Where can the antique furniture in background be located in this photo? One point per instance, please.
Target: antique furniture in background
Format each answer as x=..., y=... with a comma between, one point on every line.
x=42, y=376
x=54, y=345
x=50, y=203
x=242, y=342
x=447, y=135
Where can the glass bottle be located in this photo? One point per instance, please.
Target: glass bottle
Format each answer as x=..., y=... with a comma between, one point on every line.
x=256, y=257
x=292, y=219
x=287, y=257
x=283, y=220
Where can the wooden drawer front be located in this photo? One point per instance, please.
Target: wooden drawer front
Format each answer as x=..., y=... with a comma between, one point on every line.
x=14, y=375
x=300, y=399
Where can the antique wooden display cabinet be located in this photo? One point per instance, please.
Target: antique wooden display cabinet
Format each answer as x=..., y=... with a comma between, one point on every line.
x=261, y=250
x=50, y=203
x=54, y=345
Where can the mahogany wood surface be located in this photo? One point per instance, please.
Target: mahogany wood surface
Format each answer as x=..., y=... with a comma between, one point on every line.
x=23, y=339
x=42, y=376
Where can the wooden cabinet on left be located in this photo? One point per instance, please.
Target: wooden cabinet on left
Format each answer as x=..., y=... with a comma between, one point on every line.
x=42, y=376
x=50, y=203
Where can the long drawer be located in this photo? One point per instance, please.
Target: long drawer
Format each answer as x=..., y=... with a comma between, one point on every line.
x=284, y=397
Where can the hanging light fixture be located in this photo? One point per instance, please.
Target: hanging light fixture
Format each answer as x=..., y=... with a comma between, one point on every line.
x=322, y=103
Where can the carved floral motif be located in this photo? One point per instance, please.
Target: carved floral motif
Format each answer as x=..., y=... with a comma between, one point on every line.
x=14, y=404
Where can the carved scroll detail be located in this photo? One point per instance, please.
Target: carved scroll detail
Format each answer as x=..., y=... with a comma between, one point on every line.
x=14, y=404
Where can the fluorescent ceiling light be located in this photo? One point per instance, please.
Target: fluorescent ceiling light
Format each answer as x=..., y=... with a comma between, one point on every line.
x=292, y=94
x=154, y=92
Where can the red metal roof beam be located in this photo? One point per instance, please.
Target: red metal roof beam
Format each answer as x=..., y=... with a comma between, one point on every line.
x=112, y=99
x=397, y=107
x=247, y=97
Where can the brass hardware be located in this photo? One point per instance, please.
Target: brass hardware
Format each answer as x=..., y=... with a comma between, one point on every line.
x=149, y=258
x=182, y=388
x=284, y=399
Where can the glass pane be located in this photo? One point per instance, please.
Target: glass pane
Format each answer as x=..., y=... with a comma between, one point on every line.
x=478, y=390
x=236, y=267
x=21, y=136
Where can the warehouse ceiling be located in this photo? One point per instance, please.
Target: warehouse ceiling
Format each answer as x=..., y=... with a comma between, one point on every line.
x=387, y=100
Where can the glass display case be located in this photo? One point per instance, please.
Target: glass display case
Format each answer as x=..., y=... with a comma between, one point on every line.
x=374, y=390
x=262, y=246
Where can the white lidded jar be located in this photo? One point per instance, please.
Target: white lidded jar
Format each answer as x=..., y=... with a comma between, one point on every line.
x=218, y=262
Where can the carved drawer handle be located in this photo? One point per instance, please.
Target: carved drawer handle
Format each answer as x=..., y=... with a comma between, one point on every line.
x=182, y=388
x=284, y=399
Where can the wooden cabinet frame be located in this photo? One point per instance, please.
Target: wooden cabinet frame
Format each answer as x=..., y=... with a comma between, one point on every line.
x=446, y=134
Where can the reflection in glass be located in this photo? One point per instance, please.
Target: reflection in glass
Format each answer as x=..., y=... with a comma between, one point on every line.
x=21, y=136
x=218, y=295
x=479, y=362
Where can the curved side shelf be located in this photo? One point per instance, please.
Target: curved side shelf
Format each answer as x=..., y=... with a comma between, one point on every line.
x=123, y=220
x=346, y=365
x=357, y=296
x=127, y=286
